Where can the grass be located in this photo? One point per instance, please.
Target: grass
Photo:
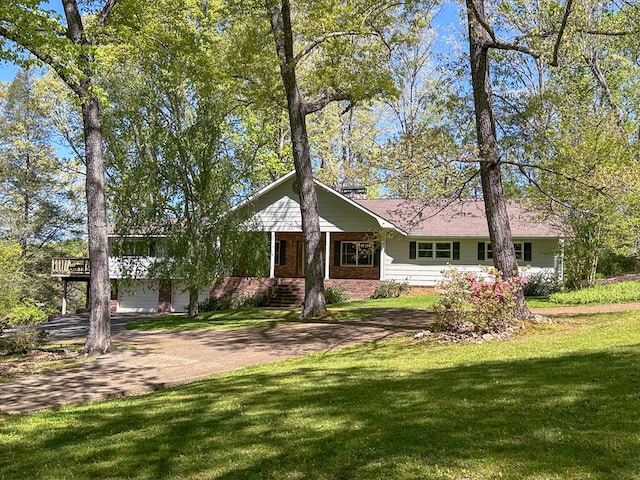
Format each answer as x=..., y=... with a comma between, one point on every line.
x=260, y=317
x=560, y=402
x=218, y=320
x=619, y=292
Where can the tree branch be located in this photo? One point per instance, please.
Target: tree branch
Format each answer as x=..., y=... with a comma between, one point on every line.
x=319, y=41
x=563, y=26
x=482, y=21
x=106, y=10
x=320, y=103
x=608, y=33
x=514, y=47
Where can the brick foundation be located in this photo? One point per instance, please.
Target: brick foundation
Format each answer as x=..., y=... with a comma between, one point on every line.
x=356, y=288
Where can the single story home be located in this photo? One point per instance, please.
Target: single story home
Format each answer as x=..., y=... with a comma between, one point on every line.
x=369, y=241
x=365, y=242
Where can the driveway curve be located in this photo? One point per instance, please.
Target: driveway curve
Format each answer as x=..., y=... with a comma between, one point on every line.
x=164, y=359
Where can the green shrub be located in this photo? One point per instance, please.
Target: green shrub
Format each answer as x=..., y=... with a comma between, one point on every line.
x=335, y=294
x=26, y=314
x=541, y=284
x=476, y=302
x=612, y=264
x=611, y=293
x=25, y=336
x=390, y=290
x=230, y=302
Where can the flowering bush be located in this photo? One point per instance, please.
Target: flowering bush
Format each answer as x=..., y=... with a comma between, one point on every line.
x=477, y=302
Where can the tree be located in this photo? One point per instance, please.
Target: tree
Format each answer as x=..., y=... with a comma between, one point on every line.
x=70, y=49
x=173, y=123
x=343, y=57
x=571, y=131
x=40, y=194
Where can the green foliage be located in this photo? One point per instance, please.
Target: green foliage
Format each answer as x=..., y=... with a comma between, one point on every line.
x=541, y=284
x=335, y=294
x=479, y=303
x=26, y=314
x=619, y=292
x=23, y=319
x=175, y=123
x=612, y=264
x=390, y=290
x=23, y=338
x=233, y=302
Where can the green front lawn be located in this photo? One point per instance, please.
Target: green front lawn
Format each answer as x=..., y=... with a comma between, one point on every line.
x=260, y=317
x=561, y=401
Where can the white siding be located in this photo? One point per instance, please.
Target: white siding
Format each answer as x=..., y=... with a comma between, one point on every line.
x=180, y=297
x=428, y=272
x=279, y=210
x=141, y=296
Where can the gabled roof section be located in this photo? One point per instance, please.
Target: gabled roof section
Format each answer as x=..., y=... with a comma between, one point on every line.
x=456, y=218
x=383, y=222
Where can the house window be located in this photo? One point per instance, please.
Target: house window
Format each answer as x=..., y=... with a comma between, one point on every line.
x=443, y=250
x=137, y=248
x=277, y=253
x=523, y=251
x=434, y=250
x=425, y=250
x=356, y=254
x=517, y=246
x=280, y=252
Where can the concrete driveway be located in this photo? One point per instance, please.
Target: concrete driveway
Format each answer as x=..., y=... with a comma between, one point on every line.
x=164, y=359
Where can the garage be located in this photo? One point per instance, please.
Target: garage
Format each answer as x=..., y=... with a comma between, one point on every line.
x=138, y=296
x=180, y=297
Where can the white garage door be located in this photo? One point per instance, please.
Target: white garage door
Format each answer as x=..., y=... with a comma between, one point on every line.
x=141, y=296
x=180, y=298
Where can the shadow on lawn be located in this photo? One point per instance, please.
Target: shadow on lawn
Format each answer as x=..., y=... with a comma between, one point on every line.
x=576, y=416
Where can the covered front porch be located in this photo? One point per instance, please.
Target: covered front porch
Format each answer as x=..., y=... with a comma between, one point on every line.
x=346, y=255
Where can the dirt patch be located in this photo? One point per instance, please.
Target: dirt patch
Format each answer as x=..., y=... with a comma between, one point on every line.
x=34, y=361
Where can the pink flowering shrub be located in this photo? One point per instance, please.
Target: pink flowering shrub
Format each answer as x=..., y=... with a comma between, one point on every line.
x=477, y=302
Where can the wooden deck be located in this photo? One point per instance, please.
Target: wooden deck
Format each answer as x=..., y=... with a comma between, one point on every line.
x=77, y=268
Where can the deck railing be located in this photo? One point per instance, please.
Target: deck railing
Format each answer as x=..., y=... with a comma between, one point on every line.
x=69, y=267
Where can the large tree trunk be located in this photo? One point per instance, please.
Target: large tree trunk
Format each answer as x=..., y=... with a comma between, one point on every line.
x=314, y=303
x=504, y=255
x=99, y=337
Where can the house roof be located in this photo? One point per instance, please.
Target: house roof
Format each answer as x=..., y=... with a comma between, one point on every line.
x=459, y=218
x=290, y=177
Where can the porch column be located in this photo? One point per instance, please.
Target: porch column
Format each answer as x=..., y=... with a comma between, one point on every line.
x=272, y=256
x=327, y=252
x=64, y=297
x=383, y=246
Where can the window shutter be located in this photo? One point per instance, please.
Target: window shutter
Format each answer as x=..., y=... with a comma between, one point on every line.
x=456, y=250
x=412, y=250
x=336, y=253
x=283, y=252
x=481, y=246
x=527, y=251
